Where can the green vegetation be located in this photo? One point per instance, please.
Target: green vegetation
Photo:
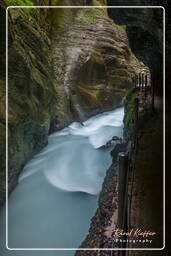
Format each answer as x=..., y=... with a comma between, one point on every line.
x=130, y=113
x=123, y=27
x=130, y=95
x=19, y=2
x=92, y=14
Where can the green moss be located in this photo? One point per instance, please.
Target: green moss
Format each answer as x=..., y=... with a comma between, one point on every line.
x=92, y=14
x=19, y=2
x=89, y=17
x=123, y=27
x=130, y=95
x=130, y=112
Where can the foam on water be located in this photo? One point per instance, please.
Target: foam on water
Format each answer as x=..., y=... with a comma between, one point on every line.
x=73, y=160
x=56, y=197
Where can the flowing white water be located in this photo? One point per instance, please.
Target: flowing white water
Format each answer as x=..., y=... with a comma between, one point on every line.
x=58, y=189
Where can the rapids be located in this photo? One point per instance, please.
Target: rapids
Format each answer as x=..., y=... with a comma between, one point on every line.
x=57, y=193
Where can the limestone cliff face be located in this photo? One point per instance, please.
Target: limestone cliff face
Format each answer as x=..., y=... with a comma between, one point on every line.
x=64, y=65
x=93, y=63
x=31, y=90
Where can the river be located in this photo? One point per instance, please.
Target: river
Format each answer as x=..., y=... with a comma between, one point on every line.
x=57, y=193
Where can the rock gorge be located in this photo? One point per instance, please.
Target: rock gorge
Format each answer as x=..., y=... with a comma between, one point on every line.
x=63, y=65
x=68, y=65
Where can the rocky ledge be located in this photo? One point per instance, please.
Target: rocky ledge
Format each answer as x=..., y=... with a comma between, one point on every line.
x=104, y=221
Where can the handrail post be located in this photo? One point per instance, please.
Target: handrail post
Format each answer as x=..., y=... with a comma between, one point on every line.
x=122, y=189
x=139, y=75
x=136, y=102
x=137, y=81
x=146, y=84
x=134, y=81
x=142, y=80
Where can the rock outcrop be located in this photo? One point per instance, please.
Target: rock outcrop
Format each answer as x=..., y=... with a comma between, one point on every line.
x=31, y=91
x=104, y=222
x=93, y=62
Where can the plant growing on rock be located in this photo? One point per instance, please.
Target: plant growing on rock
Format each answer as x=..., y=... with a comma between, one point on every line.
x=92, y=14
x=19, y=2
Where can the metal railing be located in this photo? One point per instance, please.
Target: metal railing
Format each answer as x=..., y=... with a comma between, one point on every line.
x=127, y=162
